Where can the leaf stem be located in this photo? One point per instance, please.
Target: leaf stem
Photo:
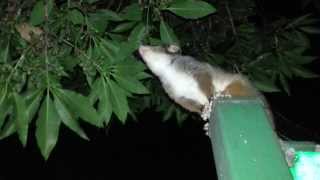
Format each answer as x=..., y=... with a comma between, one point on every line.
x=46, y=46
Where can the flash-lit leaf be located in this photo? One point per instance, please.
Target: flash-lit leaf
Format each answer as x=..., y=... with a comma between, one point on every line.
x=111, y=45
x=167, y=34
x=107, y=50
x=119, y=101
x=284, y=83
x=4, y=54
x=142, y=75
x=109, y=15
x=266, y=86
x=47, y=129
x=123, y=27
x=137, y=34
x=38, y=12
x=80, y=104
x=191, y=9
x=298, y=21
x=302, y=72
x=131, y=84
x=133, y=12
x=168, y=113
x=68, y=118
x=97, y=22
x=310, y=29
x=75, y=16
x=91, y=1
x=33, y=101
x=5, y=109
x=180, y=116
x=126, y=50
x=8, y=129
x=21, y=118
x=104, y=105
x=130, y=67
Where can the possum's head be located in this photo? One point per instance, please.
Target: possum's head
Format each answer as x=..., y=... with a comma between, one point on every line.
x=157, y=57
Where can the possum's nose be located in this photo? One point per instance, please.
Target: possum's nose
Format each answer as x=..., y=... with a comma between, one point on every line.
x=143, y=49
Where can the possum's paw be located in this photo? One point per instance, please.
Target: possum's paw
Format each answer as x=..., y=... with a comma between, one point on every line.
x=206, y=128
x=206, y=111
x=205, y=114
x=290, y=156
x=288, y=151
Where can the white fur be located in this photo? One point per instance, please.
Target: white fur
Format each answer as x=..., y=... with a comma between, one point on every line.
x=182, y=84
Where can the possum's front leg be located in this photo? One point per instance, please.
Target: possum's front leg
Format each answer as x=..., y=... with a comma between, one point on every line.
x=206, y=111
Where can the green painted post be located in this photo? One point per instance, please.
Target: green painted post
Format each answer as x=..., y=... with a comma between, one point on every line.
x=245, y=146
x=302, y=145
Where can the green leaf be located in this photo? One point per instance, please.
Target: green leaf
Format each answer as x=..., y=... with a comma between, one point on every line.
x=295, y=56
x=109, y=15
x=91, y=1
x=50, y=4
x=4, y=54
x=119, y=101
x=80, y=104
x=126, y=50
x=130, y=67
x=137, y=34
x=8, y=129
x=298, y=21
x=143, y=75
x=284, y=83
x=266, y=86
x=68, y=118
x=33, y=102
x=123, y=27
x=108, y=50
x=167, y=35
x=47, y=129
x=131, y=84
x=302, y=72
x=112, y=45
x=168, y=113
x=96, y=22
x=21, y=118
x=191, y=9
x=310, y=29
x=38, y=12
x=104, y=105
x=75, y=16
x=133, y=12
x=5, y=110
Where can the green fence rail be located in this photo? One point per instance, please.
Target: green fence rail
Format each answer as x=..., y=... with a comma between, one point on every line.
x=244, y=144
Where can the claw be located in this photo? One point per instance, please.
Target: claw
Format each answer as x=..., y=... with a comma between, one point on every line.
x=205, y=114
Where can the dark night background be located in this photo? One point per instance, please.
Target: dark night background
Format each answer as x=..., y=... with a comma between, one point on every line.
x=153, y=149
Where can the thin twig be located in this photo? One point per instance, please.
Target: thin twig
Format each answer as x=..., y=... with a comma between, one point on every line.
x=230, y=19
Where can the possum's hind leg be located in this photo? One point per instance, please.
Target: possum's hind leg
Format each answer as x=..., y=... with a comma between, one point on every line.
x=240, y=88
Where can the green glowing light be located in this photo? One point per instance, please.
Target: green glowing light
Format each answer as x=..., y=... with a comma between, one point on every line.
x=306, y=166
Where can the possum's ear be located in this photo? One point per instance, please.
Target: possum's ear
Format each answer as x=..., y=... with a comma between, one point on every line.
x=173, y=49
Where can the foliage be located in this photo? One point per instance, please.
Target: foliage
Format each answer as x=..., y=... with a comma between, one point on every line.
x=66, y=61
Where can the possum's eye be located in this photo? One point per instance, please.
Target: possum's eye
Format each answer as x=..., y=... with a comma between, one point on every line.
x=173, y=49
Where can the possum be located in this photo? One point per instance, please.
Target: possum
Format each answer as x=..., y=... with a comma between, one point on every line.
x=191, y=83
